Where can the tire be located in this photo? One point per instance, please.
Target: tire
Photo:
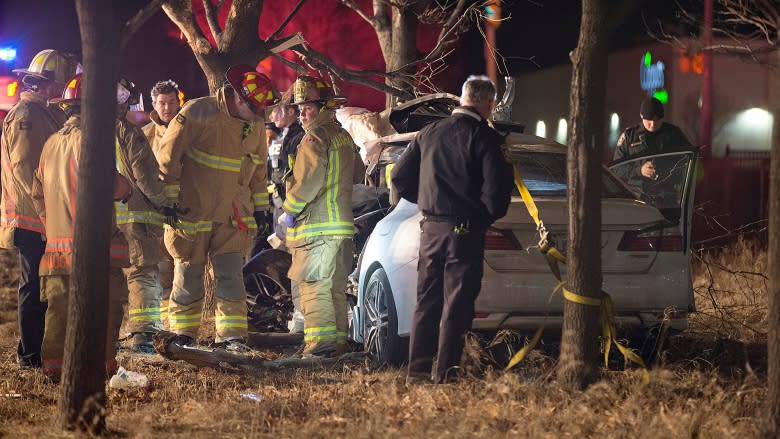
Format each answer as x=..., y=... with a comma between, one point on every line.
x=380, y=322
x=268, y=297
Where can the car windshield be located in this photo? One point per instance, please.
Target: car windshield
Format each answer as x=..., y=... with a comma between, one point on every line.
x=544, y=174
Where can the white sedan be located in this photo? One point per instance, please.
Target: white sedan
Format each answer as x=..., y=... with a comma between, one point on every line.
x=645, y=253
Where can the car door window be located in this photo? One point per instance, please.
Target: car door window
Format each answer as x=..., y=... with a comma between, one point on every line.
x=669, y=189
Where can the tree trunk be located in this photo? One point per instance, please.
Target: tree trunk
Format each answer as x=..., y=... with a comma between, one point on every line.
x=579, y=345
x=403, y=49
x=82, y=391
x=773, y=340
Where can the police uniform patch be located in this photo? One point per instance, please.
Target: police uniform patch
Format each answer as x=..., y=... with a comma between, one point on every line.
x=25, y=125
x=622, y=138
x=180, y=118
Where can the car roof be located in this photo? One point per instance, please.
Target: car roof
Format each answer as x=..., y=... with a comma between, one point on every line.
x=530, y=143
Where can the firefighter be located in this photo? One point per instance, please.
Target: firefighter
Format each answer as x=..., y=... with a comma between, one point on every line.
x=25, y=129
x=141, y=222
x=165, y=104
x=457, y=174
x=318, y=215
x=211, y=161
x=54, y=193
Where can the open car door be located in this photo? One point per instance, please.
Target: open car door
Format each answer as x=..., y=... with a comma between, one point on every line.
x=671, y=192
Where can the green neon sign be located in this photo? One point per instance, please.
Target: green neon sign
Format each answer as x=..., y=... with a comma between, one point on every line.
x=662, y=95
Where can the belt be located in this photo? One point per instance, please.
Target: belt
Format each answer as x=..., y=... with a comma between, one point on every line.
x=452, y=219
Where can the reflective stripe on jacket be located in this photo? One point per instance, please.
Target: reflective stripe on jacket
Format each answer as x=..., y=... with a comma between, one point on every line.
x=25, y=129
x=54, y=193
x=134, y=160
x=319, y=191
x=202, y=157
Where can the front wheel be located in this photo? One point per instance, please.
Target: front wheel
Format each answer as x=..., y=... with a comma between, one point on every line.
x=380, y=322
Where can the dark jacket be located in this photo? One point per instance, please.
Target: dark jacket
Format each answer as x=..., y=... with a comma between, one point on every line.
x=289, y=149
x=455, y=168
x=636, y=140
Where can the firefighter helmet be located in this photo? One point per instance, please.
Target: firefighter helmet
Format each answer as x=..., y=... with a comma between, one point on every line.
x=72, y=93
x=254, y=87
x=308, y=89
x=51, y=65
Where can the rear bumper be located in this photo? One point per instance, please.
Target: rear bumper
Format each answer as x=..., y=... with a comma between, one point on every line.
x=644, y=320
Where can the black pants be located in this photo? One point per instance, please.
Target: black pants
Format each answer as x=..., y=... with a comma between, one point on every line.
x=32, y=312
x=449, y=277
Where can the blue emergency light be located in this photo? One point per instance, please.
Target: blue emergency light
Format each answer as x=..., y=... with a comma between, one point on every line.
x=7, y=54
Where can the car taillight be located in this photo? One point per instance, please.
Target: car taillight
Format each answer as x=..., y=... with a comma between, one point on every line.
x=662, y=237
x=11, y=89
x=498, y=239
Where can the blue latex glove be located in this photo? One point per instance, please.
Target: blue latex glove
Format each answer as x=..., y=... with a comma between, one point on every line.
x=286, y=219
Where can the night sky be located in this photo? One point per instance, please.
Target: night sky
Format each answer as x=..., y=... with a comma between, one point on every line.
x=540, y=33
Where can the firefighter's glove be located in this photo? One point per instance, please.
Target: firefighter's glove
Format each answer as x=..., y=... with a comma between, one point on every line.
x=286, y=219
x=265, y=222
x=171, y=215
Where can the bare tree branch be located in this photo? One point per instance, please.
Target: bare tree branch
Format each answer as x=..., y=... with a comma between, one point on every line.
x=135, y=23
x=319, y=61
x=286, y=21
x=351, y=4
x=180, y=12
x=211, y=18
x=296, y=67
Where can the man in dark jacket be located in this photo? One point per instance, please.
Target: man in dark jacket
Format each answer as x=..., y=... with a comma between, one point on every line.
x=456, y=172
x=652, y=136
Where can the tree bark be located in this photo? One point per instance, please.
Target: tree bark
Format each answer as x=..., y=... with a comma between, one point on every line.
x=82, y=391
x=579, y=345
x=773, y=339
x=403, y=50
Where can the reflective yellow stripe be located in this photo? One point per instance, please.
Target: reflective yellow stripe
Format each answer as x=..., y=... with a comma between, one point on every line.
x=256, y=159
x=214, y=161
x=248, y=220
x=231, y=321
x=126, y=216
x=171, y=191
x=307, y=230
x=292, y=205
x=117, y=156
x=142, y=310
x=181, y=321
x=319, y=333
x=191, y=227
x=260, y=199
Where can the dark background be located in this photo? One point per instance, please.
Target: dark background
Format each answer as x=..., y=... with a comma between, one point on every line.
x=539, y=34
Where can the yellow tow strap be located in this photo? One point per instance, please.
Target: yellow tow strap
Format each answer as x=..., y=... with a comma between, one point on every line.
x=553, y=257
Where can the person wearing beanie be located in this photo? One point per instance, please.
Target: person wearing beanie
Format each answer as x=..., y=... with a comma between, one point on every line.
x=652, y=136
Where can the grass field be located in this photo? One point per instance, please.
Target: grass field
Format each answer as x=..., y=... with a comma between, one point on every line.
x=710, y=383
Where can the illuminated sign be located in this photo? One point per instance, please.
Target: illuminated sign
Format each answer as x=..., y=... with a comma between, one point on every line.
x=651, y=76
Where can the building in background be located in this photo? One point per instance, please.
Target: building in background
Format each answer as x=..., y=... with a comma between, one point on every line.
x=733, y=187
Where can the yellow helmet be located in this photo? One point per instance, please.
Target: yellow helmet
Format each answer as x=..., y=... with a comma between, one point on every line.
x=308, y=89
x=51, y=65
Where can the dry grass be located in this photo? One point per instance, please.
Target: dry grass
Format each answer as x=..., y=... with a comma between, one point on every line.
x=689, y=397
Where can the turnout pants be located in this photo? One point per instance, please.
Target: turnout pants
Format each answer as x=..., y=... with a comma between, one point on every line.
x=224, y=246
x=143, y=277
x=449, y=279
x=320, y=269
x=31, y=310
x=56, y=290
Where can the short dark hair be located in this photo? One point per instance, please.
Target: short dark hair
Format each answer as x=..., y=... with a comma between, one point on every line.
x=294, y=108
x=164, y=88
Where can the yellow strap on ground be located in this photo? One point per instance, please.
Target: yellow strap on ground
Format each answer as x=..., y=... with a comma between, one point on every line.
x=521, y=354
